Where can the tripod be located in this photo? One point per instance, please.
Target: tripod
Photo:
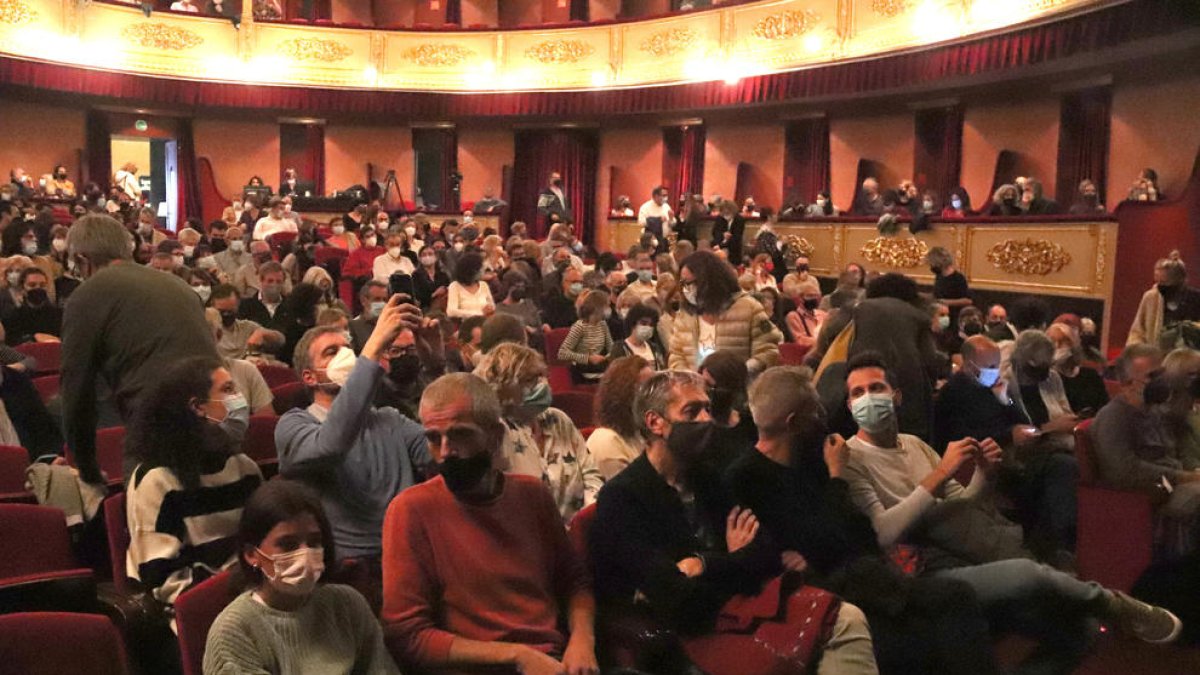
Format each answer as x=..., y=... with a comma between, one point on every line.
x=389, y=182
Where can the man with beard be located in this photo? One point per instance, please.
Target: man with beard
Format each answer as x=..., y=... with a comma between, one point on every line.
x=478, y=570
x=355, y=455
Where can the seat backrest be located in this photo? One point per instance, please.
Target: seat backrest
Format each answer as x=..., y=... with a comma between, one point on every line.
x=110, y=453
x=1084, y=454
x=13, y=461
x=792, y=354
x=324, y=254
x=290, y=395
x=278, y=375
x=578, y=404
x=195, y=611
x=553, y=339
x=50, y=643
x=259, y=444
x=48, y=355
x=36, y=541
x=116, y=525
x=47, y=386
x=578, y=530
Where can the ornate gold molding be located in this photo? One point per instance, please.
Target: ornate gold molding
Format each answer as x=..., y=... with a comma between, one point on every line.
x=314, y=49
x=559, y=51
x=16, y=12
x=1028, y=256
x=786, y=25
x=1101, y=254
x=889, y=8
x=433, y=55
x=669, y=42
x=892, y=252
x=796, y=246
x=154, y=35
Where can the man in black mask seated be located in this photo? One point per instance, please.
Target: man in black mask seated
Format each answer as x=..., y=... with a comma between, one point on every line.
x=413, y=360
x=793, y=483
x=666, y=539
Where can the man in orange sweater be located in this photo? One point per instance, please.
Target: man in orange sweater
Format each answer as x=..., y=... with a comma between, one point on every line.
x=476, y=563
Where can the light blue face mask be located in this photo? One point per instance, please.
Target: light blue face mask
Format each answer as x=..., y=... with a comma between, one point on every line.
x=576, y=288
x=874, y=413
x=645, y=276
x=539, y=397
x=377, y=309
x=989, y=376
x=943, y=322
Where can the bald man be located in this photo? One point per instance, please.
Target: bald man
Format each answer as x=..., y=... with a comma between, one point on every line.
x=975, y=403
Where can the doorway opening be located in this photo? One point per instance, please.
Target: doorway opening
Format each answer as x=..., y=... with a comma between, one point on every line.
x=154, y=163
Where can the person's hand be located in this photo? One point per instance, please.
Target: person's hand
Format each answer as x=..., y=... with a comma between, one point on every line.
x=45, y=337
x=439, y=291
x=255, y=341
x=728, y=236
x=1023, y=434
x=988, y=455
x=836, y=454
x=532, y=662
x=691, y=567
x=489, y=309
x=793, y=561
x=1063, y=424
x=596, y=359
x=740, y=529
x=429, y=342
x=957, y=454
x=580, y=656
x=397, y=315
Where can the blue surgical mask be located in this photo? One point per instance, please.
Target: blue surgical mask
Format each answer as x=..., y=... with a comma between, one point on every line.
x=538, y=397
x=645, y=276
x=956, y=203
x=988, y=376
x=874, y=413
x=237, y=417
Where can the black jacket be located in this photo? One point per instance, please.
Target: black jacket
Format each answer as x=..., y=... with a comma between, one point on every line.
x=550, y=205
x=967, y=408
x=736, y=228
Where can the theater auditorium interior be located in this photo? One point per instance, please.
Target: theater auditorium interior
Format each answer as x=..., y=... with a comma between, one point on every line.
x=634, y=337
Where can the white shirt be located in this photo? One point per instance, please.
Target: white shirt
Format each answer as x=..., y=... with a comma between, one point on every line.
x=461, y=303
x=385, y=265
x=268, y=226
x=128, y=183
x=612, y=452
x=652, y=210
x=642, y=350
x=184, y=7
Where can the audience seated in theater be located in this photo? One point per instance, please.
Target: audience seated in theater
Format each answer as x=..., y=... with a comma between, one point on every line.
x=805, y=322
x=588, y=344
x=58, y=184
x=668, y=541
x=958, y=205
x=516, y=302
x=822, y=207
x=468, y=295
x=540, y=441
x=1087, y=200
x=798, y=278
x=1033, y=203
x=617, y=440
x=36, y=318
x=563, y=288
x=235, y=256
x=355, y=455
x=717, y=315
x=360, y=265
x=853, y=279
x=513, y=584
x=640, y=282
x=274, y=222
x=186, y=493
x=1135, y=449
x=125, y=325
x=750, y=208
x=247, y=378
x=430, y=281
x=263, y=303
x=1083, y=384
x=412, y=361
x=945, y=338
x=911, y=497
x=640, y=324
x=286, y=618
x=868, y=202
x=490, y=203
x=397, y=258
x=1037, y=389
x=795, y=484
x=775, y=308
x=1170, y=303
x=759, y=275
x=728, y=230
x=1145, y=187
x=1006, y=201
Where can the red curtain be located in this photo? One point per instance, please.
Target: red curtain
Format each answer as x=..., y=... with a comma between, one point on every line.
x=571, y=152
x=937, y=149
x=1083, y=137
x=806, y=161
x=190, y=204
x=302, y=147
x=1077, y=37
x=683, y=160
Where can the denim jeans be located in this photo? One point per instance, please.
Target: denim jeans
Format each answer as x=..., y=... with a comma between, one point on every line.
x=1034, y=599
x=1044, y=491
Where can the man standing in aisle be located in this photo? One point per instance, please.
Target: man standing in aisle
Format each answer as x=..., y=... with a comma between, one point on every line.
x=552, y=202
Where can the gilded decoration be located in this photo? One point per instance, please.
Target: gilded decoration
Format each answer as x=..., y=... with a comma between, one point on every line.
x=16, y=12
x=154, y=35
x=1028, y=256
x=889, y=8
x=430, y=55
x=314, y=49
x=796, y=246
x=669, y=42
x=559, y=51
x=892, y=252
x=785, y=25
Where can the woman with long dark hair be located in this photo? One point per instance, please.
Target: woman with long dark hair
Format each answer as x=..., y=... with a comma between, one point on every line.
x=468, y=295
x=189, y=480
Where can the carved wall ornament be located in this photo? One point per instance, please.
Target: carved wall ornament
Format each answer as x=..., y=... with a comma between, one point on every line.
x=787, y=24
x=903, y=253
x=432, y=55
x=1028, y=256
x=889, y=8
x=669, y=42
x=795, y=246
x=559, y=51
x=314, y=49
x=16, y=12
x=155, y=35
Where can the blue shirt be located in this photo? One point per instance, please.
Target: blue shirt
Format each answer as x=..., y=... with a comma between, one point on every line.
x=358, y=457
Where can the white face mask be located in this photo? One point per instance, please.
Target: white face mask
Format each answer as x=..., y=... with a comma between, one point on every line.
x=428, y=260
x=296, y=572
x=410, y=231
x=237, y=246
x=189, y=251
x=689, y=294
x=394, y=251
x=206, y=263
x=29, y=247
x=1062, y=354
x=340, y=366
x=644, y=333
x=459, y=246
x=13, y=279
x=370, y=241
x=203, y=291
x=59, y=245
x=339, y=229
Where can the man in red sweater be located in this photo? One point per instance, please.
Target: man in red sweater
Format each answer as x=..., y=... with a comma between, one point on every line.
x=476, y=563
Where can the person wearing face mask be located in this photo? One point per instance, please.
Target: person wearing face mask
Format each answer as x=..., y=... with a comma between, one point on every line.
x=516, y=302
x=1083, y=384
x=276, y=221
x=340, y=237
x=1037, y=389
x=641, y=324
x=587, y=345
x=1006, y=202
x=517, y=597
x=359, y=267
x=58, y=184
x=822, y=206
x=947, y=340
x=357, y=456
x=1162, y=308
x=959, y=204
x=798, y=278
x=667, y=531
x=795, y=483
x=235, y=256
x=240, y=338
x=949, y=285
x=396, y=258
x=37, y=318
x=552, y=204
x=288, y=619
x=263, y=307
x=468, y=295
x=430, y=281
x=911, y=497
x=412, y=361
x=804, y=322
x=373, y=298
x=190, y=479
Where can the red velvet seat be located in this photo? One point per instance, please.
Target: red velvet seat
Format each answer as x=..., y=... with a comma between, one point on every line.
x=44, y=544
x=277, y=376
x=586, y=432
x=278, y=239
x=792, y=354
x=48, y=355
x=259, y=444
x=195, y=611
x=116, y=525
x=291, y=395
x=559, y=372
x=13, y=461
x=578, y=404
x=323, y=254
x=1115, y=528
x=52, y=643
x=47, y=387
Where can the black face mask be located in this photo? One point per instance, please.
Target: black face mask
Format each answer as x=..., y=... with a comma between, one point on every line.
x=994, y=325
x=404, y=369
x=218, y=245
x=228, y=317
x=722, y=401
x=812, y=304
x=1166, y=289
x=517, y=293
x=936, y=270
x=463, y=474
x=690, y=440
x=562, y=265
x=37, y=297
x=1090, y=340
x=972, y=328
x=801, y=268
x=1010, y=202
x=1037, y=373
x=557, y=182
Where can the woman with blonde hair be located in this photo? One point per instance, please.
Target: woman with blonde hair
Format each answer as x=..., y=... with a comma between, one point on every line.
x=1169, y=303
x=539, y=440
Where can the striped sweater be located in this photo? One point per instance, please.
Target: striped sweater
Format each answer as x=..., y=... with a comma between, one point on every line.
x=583, y=340
x=179, y=537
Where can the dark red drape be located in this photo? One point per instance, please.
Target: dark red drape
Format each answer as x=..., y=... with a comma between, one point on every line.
x=806, y=161
x=683, y=160
x=302, y=147
x=571, y=152
x=1090, y=36
x=190, y=204
x=448, y=141
x=99, y=149
x=937, y=149
x=1083, y=137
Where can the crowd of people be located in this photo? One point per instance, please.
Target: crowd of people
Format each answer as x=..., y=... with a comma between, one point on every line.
x=910, y=489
